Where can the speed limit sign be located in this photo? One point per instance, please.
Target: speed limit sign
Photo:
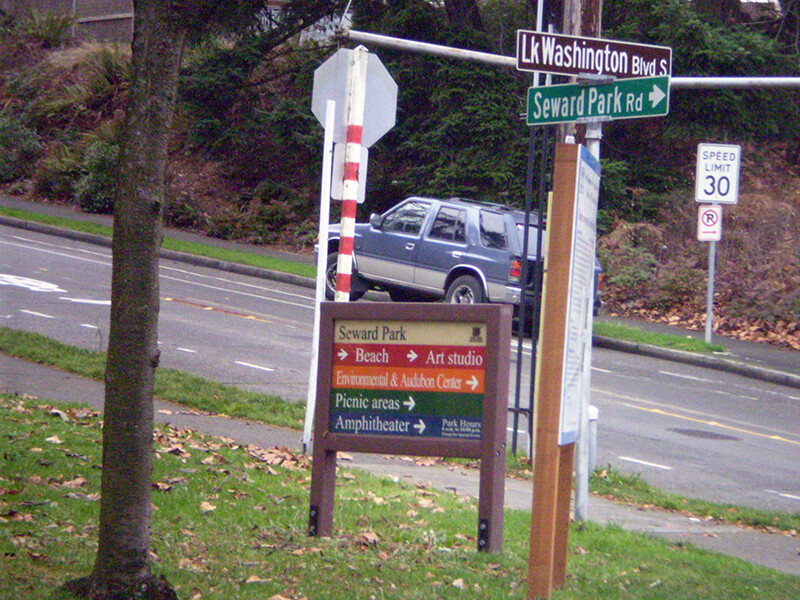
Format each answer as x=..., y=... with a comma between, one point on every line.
x=717, y=178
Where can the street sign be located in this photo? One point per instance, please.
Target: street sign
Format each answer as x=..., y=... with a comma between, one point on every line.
x=330, y=83
x=570, y=55
x=717, y=177
x=709, y=223
x=622, y=99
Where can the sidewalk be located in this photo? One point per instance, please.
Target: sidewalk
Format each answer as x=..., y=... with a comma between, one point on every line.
x=780, y=552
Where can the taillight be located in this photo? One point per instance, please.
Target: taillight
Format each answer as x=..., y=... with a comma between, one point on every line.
x=515, y=272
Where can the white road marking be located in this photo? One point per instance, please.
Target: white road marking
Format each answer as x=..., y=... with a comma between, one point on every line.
x=645, y=463
x=33, y=285
x=36, y=314
x=252, y=366
x=783, y=495
x=106, y=263
x=88, y=326
x=681, y=376
x=87, y=301
x=189, y=350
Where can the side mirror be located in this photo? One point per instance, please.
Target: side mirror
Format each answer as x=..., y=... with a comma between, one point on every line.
x=375, y=220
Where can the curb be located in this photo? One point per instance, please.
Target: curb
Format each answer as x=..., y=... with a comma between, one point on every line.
x=700, y=360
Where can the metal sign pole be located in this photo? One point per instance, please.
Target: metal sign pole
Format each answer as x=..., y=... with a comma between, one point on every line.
x=712, y=259
x=322, y=260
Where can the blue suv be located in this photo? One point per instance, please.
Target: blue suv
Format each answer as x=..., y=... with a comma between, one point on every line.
x=458, y=250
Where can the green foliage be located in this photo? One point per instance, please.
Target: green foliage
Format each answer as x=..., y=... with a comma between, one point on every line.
x=631, y=268
x=52, y=29
x=678, y=285
x=620, y=331
x=211, y=83
x=56, y=174
x=94, y=189
x=458, y=127
x=701, y=47
x=20, y=146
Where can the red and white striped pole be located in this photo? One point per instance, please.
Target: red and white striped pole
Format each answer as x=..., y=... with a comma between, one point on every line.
x=356, y=93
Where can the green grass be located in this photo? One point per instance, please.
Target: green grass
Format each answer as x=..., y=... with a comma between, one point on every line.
x=229, y=521
x=628, y=333
x=171, y=385
x=223, y=254
x=633, y=489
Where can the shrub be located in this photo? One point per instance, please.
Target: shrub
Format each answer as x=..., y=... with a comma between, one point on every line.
x=56, y=174
x=94, y=189
x=678, y=285
x=50, y=28
x=19, y=148
x=180, y=212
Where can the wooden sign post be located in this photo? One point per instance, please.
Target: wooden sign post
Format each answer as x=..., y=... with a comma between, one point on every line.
x=566, y=311
x=395, y=379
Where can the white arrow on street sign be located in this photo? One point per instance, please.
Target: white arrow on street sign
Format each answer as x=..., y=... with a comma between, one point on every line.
x=410, y=404
x=473, y=383
x=420, y=427
x=412, y=356
x=656, y=96
x=343, y=354
x=330, y=83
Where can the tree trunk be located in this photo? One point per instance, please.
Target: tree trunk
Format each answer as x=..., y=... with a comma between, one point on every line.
x=122, y=565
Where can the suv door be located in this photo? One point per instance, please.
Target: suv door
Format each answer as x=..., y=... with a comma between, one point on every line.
x=387, y=249
x=443, y=248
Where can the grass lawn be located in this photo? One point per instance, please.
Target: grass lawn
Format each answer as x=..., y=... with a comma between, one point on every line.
x=229, y=521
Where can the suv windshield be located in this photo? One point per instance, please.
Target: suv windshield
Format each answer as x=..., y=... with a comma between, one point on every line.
x=408, y=218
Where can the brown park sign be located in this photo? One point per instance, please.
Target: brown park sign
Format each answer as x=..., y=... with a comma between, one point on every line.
x=395, y=379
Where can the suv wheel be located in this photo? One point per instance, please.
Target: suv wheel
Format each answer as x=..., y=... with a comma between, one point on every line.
x=357, y=290
x=465, y=290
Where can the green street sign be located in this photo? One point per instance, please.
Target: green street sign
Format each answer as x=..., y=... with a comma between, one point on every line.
x=621, y=99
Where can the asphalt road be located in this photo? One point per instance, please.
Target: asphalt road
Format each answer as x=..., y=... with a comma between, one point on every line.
x=690, y=430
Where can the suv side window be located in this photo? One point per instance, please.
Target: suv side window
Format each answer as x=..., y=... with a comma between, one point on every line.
x=407, y=218
x=493, y=230
x=450, y=225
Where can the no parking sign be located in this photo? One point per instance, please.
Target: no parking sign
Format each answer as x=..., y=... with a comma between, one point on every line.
x=709, y=223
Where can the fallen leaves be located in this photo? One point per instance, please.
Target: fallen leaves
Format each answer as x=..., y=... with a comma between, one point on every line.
x=279, y=456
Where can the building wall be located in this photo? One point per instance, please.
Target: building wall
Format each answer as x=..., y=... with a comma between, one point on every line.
x=102, y=20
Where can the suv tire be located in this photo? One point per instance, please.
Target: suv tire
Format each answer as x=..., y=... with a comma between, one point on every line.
x=357, y=289
x=465, y=290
